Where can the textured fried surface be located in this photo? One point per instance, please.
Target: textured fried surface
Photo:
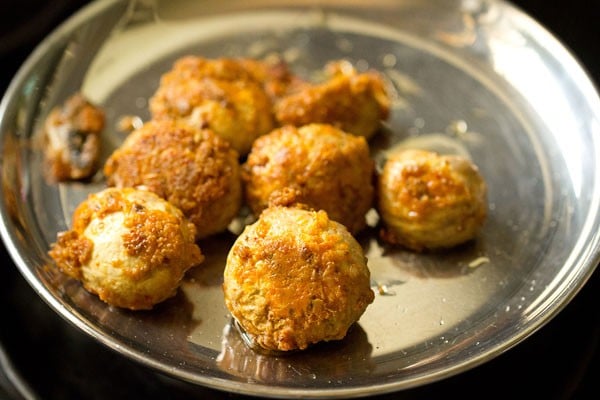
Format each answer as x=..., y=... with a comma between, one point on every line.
x=220, y=94
x=128, y=246
x=354, y=102
x=72, y=139
x=430, y=201
x=274, y=75
x=316, y=165
x=194, y=169
x=295, y=278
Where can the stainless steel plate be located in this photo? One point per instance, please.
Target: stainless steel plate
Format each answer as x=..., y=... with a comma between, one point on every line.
x=475, y=77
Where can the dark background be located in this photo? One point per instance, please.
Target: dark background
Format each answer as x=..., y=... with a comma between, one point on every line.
x=50, y=359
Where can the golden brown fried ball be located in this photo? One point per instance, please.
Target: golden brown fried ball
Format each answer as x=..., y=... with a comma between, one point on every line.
x=72, y=139
x=294, y=278
x=194, y=169
x=219, y=94
x=316, y=165
x=128, y=246
x=354, y=102
x=430, y=201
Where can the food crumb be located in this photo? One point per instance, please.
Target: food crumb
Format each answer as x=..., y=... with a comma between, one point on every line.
x=129, y=123
x=479, y=261
x=384, y=290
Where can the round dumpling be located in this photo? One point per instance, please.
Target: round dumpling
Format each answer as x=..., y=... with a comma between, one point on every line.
x=128, y=246
x=194, y=169
x=295, y=278
x=316, y=165
x=352, y=101
x=218, y=94
x=430, y=201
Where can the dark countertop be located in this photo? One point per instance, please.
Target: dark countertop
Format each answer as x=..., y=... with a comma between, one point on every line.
x=54, y=360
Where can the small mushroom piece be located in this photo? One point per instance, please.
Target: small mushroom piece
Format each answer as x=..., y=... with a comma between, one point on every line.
x=72, y=139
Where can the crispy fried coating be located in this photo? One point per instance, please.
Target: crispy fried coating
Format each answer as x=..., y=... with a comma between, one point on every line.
x=316, y=165
x=430, y=201
x=219, y=94
x=128, y=246
x=194, y=169
x=354, y=102
x=275, y=76
x=294, y=278
x=72, y=139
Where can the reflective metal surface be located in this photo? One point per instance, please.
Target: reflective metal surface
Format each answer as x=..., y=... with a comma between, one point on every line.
x=475, y=77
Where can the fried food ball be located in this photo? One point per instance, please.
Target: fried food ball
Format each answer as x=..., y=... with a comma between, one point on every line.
x=316, y=165
x=194, y=169
x=128, y=246
x=354, y=102
x=430, y=201
x=219, y=94
x=295, y=278
x=72, y=139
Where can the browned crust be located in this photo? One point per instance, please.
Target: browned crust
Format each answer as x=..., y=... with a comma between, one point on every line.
x=296, y=278
x=193, y=169
x=316, y=165
x=354, y=102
